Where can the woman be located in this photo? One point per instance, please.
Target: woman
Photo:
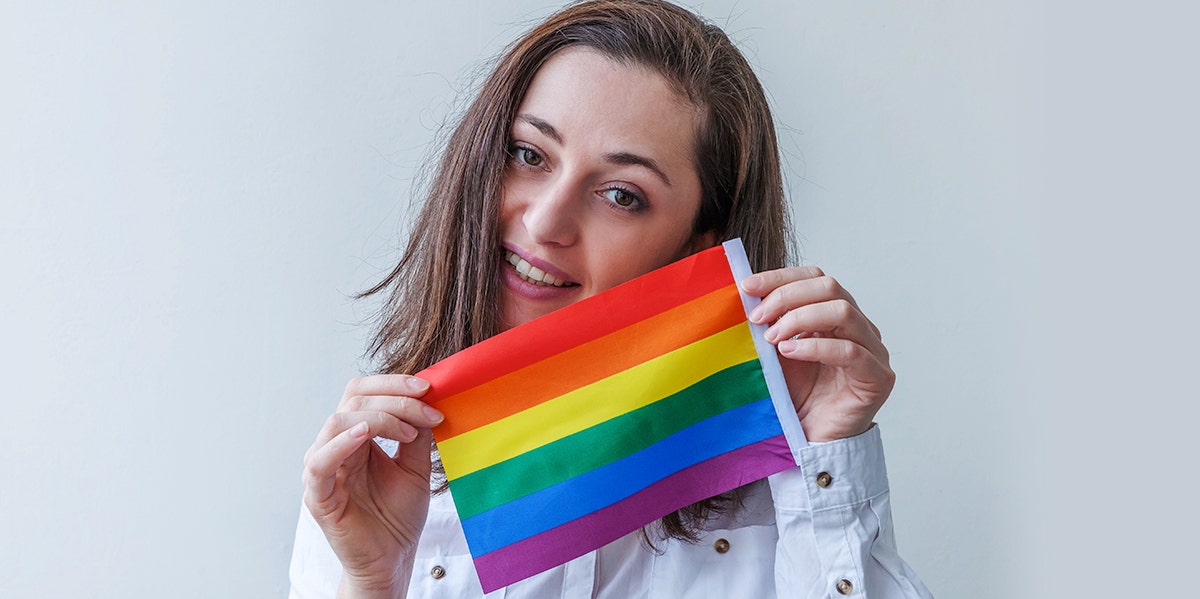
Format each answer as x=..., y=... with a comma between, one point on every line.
x=614, y=138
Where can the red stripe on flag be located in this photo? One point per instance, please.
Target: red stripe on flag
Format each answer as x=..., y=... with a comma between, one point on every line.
x=579, y=323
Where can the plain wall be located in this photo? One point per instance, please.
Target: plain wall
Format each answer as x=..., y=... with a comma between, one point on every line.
x=191, y=192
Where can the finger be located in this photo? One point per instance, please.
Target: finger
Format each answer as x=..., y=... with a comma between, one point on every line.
x=803, y=292
x=868, y=374
x=386, y=384
x=792, y=294
x=321, y=465
x=764, y=282
x=382, y=424
x=837, y=317
x=408, y=409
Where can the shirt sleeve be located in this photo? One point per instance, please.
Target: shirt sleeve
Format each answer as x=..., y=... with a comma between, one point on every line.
x=834, y=511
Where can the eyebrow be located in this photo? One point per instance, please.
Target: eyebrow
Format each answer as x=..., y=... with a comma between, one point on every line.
x=626, y=158
x=546, y=128
x=619, y=158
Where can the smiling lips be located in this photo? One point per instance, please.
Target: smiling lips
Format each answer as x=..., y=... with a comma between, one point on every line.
x=532, y=274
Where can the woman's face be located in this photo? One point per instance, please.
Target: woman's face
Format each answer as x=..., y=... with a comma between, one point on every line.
x=600, y=185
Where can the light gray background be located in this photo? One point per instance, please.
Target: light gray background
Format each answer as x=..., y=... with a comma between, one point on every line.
x=190, y=191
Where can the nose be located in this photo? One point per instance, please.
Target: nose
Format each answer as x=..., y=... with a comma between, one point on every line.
x=552, y=213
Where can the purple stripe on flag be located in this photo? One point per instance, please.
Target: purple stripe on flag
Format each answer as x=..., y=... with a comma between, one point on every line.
x=558, y=545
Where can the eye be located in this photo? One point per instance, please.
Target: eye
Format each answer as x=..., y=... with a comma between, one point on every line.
x=623, y=198
x=526, y=156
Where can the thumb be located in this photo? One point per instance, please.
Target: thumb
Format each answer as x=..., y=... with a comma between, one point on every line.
x=414, y=456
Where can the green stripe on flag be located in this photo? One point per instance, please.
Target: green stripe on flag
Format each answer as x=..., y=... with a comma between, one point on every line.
x=608, y=441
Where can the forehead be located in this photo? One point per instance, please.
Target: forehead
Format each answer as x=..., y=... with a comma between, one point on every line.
x=600, y=99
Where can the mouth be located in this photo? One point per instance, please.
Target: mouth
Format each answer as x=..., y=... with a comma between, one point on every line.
x=532, y=274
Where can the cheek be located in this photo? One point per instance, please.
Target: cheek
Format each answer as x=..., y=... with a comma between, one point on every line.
x=621, y=258
x=515, y=198
x=508, y=208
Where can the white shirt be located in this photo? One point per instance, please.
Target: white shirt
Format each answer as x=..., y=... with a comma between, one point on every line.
x=793, y=537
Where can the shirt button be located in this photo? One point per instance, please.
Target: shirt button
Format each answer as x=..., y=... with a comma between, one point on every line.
x=722, y=546
x=824, y=480
x=844, y=587
x=437, y=572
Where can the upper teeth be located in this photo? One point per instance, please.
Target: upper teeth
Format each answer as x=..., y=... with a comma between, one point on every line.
x=532, y=273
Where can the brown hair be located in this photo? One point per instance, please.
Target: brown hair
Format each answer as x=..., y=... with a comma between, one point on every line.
x=443, y=294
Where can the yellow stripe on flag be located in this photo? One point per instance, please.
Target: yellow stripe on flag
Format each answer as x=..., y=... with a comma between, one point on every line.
x=592, y=404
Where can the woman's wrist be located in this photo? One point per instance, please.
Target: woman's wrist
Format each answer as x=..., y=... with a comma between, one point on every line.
x=384, y=585
x=392, y=587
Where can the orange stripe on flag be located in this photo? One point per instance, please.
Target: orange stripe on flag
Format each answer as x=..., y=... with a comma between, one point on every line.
x=595, y=360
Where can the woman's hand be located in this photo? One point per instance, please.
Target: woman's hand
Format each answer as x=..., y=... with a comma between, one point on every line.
x=833, y=357
x=372, y=507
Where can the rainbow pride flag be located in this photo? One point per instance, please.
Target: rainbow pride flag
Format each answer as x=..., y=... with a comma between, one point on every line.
x=579, y=427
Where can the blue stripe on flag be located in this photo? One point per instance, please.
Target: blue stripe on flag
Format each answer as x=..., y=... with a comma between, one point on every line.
x=590, y=491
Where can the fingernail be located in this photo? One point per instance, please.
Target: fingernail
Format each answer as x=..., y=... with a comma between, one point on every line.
x=786, y=346
x=415, y=384
x=756, y=314
x=751, y=282
x=433, y=415
x=359, y=430
x=771, y=334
